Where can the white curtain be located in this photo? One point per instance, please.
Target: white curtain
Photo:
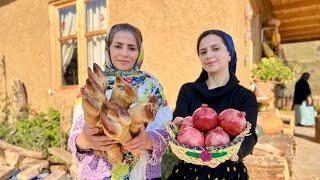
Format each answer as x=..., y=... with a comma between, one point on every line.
x=68, y=27
x=96, y=20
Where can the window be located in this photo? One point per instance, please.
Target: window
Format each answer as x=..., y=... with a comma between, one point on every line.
x=68, y=40
x=78, y=29
x=95, y=31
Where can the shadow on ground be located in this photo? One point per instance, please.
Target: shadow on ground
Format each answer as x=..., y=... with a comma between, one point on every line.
x=306, y=137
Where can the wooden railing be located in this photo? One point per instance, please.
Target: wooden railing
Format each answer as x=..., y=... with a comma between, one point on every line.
x=285, y=102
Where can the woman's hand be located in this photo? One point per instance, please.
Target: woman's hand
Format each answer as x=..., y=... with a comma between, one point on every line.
x=234, y=158
x=309, y=101
x=141, y=141
x=89, y=138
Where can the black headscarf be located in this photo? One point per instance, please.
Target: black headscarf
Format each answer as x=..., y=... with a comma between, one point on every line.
x=302, y=89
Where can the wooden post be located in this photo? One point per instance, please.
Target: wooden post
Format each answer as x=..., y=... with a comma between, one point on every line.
x=22, y=151
x=292, y=124
x=317, y=130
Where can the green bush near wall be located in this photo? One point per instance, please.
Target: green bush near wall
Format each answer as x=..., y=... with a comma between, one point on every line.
x=37, y=133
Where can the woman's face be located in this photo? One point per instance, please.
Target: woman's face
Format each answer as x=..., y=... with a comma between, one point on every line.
x=124, y=51
x=213, y=54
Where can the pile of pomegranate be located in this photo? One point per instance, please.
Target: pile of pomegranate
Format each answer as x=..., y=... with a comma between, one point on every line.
x=205, y=128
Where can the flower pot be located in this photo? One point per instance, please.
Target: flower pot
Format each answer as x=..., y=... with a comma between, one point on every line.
x=264, y=89
x=264, y=92
x=270, y=123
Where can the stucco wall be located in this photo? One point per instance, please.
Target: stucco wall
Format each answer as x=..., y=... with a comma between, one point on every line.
x=170, y=30
x=25, y=44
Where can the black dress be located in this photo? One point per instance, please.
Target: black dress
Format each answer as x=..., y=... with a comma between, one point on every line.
x=232, y=95
x=301, y=91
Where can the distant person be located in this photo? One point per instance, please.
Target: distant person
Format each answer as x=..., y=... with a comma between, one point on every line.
x=302, y=102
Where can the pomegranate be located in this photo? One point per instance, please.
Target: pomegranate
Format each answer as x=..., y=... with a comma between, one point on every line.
x=205, y=118
x=191, y=136
x=186, y=122
x=232, y=121
x=217, y=137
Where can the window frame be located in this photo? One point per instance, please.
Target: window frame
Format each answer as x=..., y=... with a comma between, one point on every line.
x=81, y=36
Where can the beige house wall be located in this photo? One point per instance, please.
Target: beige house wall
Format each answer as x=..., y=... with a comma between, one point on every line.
x=170, y=31
x=25, y=45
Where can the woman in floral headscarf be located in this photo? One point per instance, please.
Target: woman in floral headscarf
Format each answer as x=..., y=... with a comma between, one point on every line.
x=218, y=87
x=124, y=57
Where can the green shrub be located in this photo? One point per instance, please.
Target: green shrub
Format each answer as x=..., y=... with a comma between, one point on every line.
x=38, y=133
x=273, y=69
x=317, y=109
x=5, y=108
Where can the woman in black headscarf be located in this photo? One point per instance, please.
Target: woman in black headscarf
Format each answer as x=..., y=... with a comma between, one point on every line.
x=302, y=102
x=218, y=87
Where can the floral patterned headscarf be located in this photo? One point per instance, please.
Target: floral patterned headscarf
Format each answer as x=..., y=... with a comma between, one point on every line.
x=134, y=76
x=143, y=82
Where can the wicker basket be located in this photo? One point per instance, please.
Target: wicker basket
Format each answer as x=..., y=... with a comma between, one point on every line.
x=209, y=156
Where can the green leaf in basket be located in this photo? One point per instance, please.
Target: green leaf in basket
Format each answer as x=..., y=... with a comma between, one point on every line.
x=193, y=154
x=175, y=130
x=214, y=155
x=218, y=154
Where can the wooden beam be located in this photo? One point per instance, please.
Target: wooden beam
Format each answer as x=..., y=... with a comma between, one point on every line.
x=285, y=41
x=302, y=37
x=293, y=15
x=82, y=43
x=299, y=23
x=298, y=19
x=300, y=26
x=22, y=151
x=61, y=154
x=57, y=175
x=300, y=29
x=297, y=10
x=61, y=2
x=6, y=171
x=301, y=34
x=265, y=7
x=32, y=171
x=96, y=33
x=296, y=4
x=255, y=6
x=66, y=38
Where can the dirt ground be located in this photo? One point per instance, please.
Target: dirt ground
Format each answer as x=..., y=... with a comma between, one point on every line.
x=306, y=163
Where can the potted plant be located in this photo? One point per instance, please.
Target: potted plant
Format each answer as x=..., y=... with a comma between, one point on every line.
x=269, y=72
x=317, y=109
x=272, y=69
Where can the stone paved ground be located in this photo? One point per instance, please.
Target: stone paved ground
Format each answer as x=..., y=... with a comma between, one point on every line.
x=306, y=163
